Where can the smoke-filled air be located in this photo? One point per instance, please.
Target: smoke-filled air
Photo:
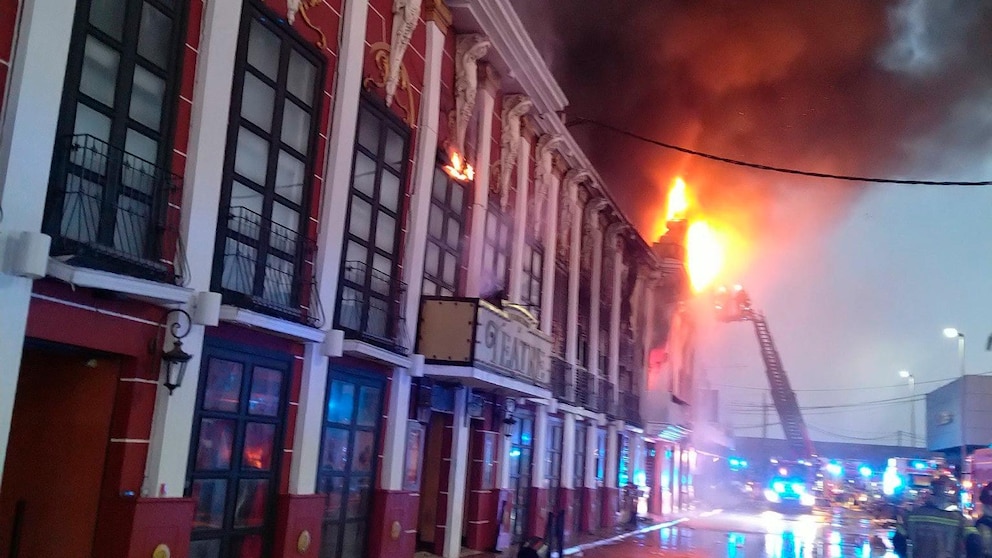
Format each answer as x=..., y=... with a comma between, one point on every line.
x=894, y=89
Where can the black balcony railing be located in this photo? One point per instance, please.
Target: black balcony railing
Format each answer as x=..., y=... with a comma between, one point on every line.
x=606, y=398
x=108, y=209
x=585, y=388
x=371, y=307
x=630, y=408
x=561, y=378
x=265, y=268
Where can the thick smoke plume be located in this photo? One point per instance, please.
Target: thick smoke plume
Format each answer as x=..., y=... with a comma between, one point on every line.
x=897, y=88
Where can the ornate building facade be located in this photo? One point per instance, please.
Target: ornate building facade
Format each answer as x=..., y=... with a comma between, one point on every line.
x=301, y=278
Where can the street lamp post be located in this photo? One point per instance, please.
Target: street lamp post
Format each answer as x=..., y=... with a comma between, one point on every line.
x=904, y=374
x=951, y=333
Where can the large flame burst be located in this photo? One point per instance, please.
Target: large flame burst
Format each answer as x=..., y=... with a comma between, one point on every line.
x=705, y=244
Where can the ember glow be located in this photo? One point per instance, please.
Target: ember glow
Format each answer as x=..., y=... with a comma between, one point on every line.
x=459, y=169
x=678, y=202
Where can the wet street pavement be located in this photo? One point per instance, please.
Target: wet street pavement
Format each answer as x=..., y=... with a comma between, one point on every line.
x=757, y=534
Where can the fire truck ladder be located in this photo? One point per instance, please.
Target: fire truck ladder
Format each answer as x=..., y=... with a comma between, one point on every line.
x=785, y=399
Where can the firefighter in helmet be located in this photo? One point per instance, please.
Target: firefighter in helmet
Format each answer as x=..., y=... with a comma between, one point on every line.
x=938, y=528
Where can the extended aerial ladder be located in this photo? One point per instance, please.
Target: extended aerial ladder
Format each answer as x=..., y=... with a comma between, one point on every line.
x=734, y=305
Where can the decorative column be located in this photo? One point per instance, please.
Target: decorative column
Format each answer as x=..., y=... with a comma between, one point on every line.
x=571, y=228
x=595, y=284
x=610, y=492
x=457, y=477
x=522, y=146
x=480, y=198
x=616, y=284
x=538, y=508
x=544, y=218
x=27, y=141
x=567, y=480
x=590, y=497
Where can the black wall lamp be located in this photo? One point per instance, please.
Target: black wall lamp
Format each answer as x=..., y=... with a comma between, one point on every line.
x=176, y=358
x=508, y=421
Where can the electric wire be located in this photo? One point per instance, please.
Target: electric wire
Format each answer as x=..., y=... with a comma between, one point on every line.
x=773, y=168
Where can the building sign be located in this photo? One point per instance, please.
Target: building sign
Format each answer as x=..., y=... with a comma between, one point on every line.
x=509, y=342
x=472, y=332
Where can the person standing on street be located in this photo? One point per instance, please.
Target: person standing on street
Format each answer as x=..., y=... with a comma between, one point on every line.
x=983, y=525
x=938, y=528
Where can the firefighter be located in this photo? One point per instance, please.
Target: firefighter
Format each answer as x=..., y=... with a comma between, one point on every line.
x=983, y=525
x=937, y=529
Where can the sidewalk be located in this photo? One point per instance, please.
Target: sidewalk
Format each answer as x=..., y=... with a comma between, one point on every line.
x=578, y=543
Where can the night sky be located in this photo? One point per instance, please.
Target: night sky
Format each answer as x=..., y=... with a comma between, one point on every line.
x=857, y=280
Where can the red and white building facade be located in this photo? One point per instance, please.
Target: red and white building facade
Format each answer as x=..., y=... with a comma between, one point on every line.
x=388, y=352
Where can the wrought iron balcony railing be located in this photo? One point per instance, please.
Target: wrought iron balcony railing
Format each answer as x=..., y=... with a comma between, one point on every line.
x=266, y=267
x=585, y=388
x=371, y=307
x=606, y=398
x=561, y=378
x=630, y=408
x=108, y=209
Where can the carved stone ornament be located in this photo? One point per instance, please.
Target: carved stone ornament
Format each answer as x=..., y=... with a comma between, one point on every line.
x=514, y=107
x=568, y=210
x=406, y=15
x=381, y=55
x=592, y=224
x=544, y=167
x=468, y=50
x=301, y=7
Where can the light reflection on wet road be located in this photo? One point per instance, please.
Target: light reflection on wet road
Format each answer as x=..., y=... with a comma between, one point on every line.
x=757, y=535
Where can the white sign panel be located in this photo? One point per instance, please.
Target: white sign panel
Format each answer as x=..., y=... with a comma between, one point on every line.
x=508, y=344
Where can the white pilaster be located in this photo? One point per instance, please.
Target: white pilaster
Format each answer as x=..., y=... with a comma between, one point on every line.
x=172, y=421
x=309, y=422
x=574, y=260
x=480, y=200
x=27, y=139
x=595, y=286
x=520, y=221
x=614, y=370
x=550, y=249
x=592, y=446
x=458, y=477
x=539, y=451
x=340, y=151
x=423, y=176
x=568, y=452
x=505, y=445
x=612, y=455
x=394, y=445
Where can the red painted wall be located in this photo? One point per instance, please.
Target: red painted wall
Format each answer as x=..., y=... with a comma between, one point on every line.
x=8, y=18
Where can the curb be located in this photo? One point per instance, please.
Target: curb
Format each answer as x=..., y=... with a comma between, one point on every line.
x=656, y=527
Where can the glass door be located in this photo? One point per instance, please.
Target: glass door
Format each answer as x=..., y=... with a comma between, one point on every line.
x=347, y=467
x=234, y=462
x=521, y=458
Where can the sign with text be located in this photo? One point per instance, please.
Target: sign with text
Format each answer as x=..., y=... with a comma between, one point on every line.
x=505, y=340
x=509, y=343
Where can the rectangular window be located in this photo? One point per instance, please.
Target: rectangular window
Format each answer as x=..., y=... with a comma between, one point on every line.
x=110, y=187
x=496, y=252
x=533, y=277
x=370, y=290
x=262, y=247
x=445, y=229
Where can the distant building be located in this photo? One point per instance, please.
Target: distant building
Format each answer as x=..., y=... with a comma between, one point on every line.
x=944, y=416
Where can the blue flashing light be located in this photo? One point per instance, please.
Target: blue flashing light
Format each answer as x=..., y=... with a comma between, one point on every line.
x=778, y=486
x=515, y=452
x=798, y=487
x=865, y=471
x=834, y=469
x=919, y=465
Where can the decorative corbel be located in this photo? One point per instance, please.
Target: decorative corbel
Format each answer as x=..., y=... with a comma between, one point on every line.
x=406, y=16
x=468, y=50
x=567, y=209
x=544, y=167
x=514, y=107
x=301, y=7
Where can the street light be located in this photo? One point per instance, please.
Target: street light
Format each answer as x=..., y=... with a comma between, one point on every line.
x=905, y=375
x=951, y=333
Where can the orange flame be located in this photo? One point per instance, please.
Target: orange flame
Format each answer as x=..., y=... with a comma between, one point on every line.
x=678, y=202
x=705, y=255
x=459, y=169
x=705, y=244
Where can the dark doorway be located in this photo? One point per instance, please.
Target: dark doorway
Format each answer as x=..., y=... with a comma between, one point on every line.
x=56, y=454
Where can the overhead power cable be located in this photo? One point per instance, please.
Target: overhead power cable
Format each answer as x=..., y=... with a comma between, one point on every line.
x=772, y=168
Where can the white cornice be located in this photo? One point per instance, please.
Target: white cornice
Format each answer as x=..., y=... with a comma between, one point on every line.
x=499, y=22
x=270, y=324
